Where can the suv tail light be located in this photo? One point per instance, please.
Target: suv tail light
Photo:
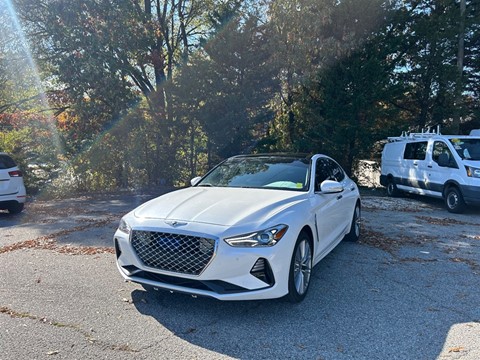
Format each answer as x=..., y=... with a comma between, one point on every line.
x=15, y=173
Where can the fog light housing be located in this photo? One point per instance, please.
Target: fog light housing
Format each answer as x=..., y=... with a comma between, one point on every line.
x=262, y=271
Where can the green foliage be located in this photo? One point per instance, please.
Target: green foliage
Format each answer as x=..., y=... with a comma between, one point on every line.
x=32, y=141
x=226, y=88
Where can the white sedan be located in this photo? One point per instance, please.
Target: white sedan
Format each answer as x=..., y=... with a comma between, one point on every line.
x=252, y=228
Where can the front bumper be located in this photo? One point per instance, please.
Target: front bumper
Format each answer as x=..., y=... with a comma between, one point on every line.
x=232, y=273
x=471, y=194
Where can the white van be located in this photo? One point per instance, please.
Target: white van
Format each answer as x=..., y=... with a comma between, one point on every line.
x=443, y=166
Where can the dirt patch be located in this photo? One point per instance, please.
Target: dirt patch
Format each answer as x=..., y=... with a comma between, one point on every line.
x=443, y=221
x=473, y=264
x=49, y=242
x=391, y=244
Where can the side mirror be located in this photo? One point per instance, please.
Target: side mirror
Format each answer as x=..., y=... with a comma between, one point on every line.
x=195, y=180
x=330, y=187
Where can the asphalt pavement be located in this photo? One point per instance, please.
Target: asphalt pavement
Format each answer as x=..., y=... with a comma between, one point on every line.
x=408, y=290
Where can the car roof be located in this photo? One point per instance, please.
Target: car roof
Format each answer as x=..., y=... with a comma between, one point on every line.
x=276, y=155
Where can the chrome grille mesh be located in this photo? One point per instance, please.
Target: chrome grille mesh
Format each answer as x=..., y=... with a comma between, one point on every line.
x=173, y=252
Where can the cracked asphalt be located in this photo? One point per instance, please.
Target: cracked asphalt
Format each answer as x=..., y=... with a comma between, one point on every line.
x=408, y=290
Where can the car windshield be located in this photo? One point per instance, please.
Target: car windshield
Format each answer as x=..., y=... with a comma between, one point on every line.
x=468, y=149
x=272, y=172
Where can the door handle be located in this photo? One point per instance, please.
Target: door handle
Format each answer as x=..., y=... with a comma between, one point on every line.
x=339, y=197
x=429, y=166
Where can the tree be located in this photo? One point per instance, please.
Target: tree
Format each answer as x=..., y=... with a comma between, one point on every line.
x=106, y=56
x=345, y=109
x=18, y=84
x=226, y=88
x=312, y=36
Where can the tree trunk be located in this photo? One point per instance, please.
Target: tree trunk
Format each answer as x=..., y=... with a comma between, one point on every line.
x=459, y=82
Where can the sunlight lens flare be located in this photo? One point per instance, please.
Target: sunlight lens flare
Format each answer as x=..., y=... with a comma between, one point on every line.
x=26, y=64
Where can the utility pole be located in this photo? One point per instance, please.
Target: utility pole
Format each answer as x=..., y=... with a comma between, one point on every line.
x=459, y=81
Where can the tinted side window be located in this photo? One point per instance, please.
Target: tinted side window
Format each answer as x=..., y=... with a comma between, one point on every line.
x=415, y=151
x=439, y=147
x=442, y=155
x=6, y=162
x=322, y=172
x=327, y=170
x=337, y=173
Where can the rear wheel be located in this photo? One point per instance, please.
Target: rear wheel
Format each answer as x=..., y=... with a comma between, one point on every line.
x=454, y=200
x=392, y=189
x=15, y=208
x=300, y=268
x=354, y=233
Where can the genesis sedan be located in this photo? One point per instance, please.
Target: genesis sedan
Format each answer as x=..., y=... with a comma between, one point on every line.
x=252, y=228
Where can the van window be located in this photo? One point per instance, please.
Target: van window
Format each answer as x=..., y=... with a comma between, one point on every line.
x=415, y=151
x=441, y=149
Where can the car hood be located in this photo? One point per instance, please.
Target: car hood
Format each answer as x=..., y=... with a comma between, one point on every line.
x=472, y=163
x=219, y=206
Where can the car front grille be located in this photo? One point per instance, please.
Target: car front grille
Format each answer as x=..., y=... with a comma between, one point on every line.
x=173, y=252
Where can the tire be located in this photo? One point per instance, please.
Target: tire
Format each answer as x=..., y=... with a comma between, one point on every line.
x=300, y=268
x=454, y=200
x=15, y=208
x=392, y=190
x=354, y=233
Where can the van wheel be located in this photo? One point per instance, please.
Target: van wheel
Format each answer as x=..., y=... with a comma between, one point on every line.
x=392, y=190
x=454, y=200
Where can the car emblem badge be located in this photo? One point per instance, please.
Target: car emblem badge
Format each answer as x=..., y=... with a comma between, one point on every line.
x=175, y=223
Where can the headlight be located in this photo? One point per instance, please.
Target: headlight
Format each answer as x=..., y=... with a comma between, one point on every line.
x=473, y=172
x=124, y=227
x=267, y=237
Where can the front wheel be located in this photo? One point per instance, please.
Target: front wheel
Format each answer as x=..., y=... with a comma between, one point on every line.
x=354, y=233
x=300, y=269
x=454, y=200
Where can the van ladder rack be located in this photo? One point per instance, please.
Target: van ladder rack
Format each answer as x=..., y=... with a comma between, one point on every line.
x=415, y=136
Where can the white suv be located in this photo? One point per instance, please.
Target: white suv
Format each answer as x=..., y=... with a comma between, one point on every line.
x=12, y=189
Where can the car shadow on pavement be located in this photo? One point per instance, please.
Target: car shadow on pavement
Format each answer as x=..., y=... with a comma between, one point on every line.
x=8, y=219
x=362, y=304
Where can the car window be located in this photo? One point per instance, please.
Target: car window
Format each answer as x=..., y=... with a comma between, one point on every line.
x=337, y=172
x=6, y=162
x=327, y=169
x=415, y=151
